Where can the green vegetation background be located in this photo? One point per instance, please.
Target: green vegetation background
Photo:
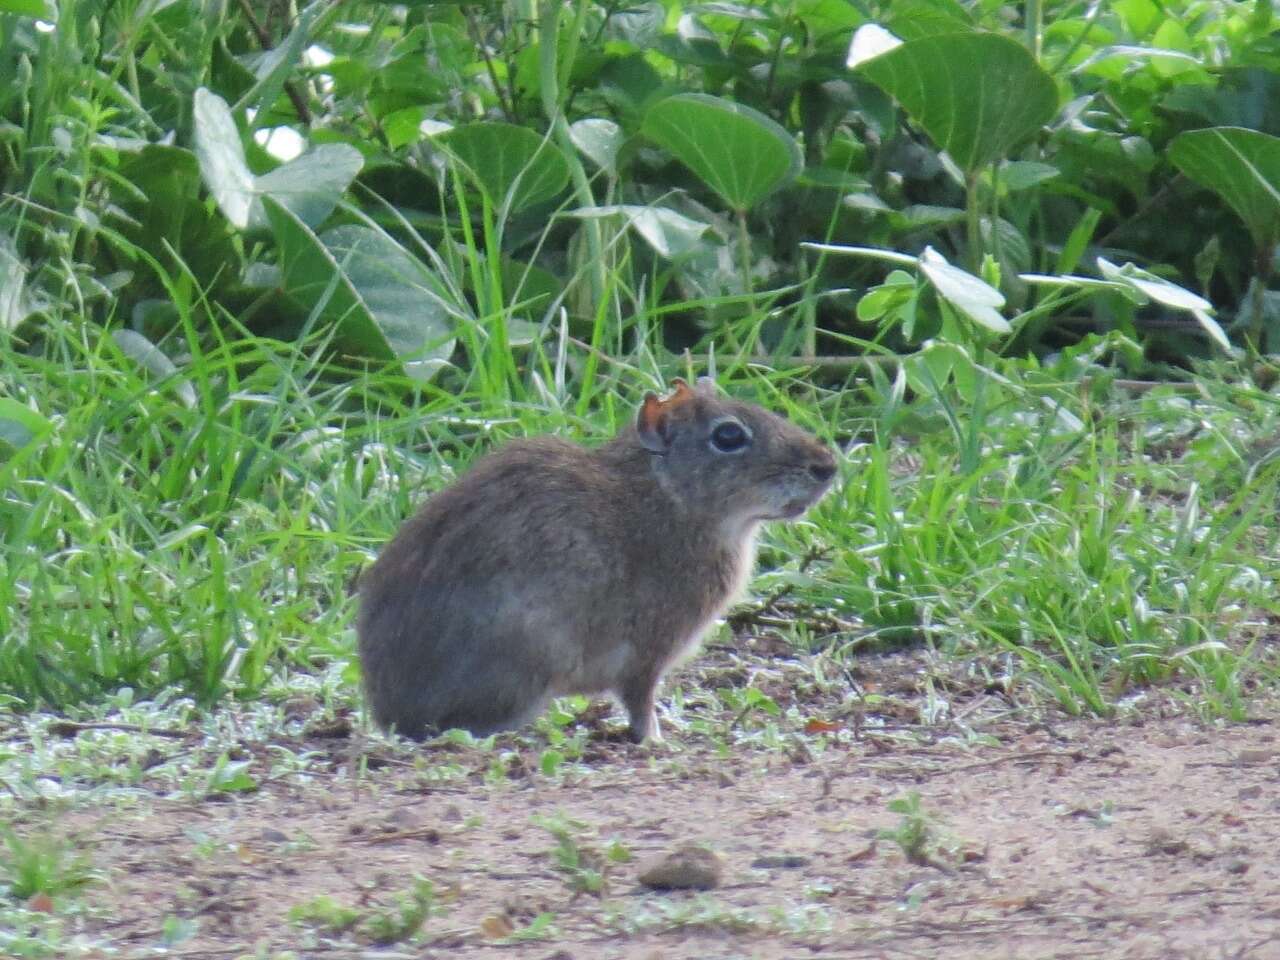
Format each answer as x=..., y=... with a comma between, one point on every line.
x=269, y=274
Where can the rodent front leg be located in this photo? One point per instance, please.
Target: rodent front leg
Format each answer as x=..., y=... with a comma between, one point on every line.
x=638, y=699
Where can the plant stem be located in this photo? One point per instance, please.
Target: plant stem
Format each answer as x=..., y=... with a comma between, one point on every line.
x=973, y=221
x=1034, y=16
x=744, y=264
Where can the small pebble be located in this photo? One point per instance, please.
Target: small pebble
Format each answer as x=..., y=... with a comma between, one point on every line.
x=687, y=867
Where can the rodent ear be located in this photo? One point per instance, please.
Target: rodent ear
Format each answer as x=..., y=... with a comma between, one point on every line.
x=682, y=392
x=653, y=425
x=706, y=387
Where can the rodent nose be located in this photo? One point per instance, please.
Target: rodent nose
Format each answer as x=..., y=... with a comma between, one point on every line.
x=824, y=469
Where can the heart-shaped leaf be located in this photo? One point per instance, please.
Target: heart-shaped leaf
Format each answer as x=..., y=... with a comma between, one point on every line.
x=506, y=160
x=309, y=185
x=1241, y=166
x=736, y=151
x=221, y=156
x=977, y=95
x=384, y=302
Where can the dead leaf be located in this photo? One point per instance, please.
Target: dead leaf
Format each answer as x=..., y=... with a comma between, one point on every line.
x=814, y=725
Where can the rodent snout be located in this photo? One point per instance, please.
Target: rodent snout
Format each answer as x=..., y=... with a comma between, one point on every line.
x=823, y=467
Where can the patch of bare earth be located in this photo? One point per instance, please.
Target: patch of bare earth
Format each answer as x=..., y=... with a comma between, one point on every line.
x=1148, y=837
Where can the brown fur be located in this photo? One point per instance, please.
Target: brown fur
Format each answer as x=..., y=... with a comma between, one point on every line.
x=551, y=569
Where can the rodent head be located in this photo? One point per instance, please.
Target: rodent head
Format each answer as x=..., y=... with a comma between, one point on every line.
x=733, y=459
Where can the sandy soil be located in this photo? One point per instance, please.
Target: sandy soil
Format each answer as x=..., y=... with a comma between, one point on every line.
x=1148, y=836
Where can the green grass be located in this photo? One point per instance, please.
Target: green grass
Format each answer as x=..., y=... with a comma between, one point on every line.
x=200, y=541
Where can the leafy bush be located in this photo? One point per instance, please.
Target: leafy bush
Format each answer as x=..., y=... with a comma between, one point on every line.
x=646, y=157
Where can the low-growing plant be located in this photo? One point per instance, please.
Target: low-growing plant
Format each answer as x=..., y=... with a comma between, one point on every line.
x=398, y=921
x=585, y=867
x=44, y=865
x=917, y=833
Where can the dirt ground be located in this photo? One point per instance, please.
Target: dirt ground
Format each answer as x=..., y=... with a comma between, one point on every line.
x=1148, y=835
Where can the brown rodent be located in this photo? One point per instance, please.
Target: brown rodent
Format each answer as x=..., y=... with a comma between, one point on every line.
x=551, y=569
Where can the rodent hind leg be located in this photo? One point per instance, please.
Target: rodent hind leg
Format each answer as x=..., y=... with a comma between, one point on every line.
x=498, y=696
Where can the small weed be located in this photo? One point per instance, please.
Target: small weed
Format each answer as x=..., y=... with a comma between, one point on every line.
x=917, y=834
x=541, y=927
x=746, y=702
x=699, y=913
x=175, y=930
x=325, y=913
x=224, y=776
x=41, y=865
x=396, y=922
x=586, y=868
x=403, y=919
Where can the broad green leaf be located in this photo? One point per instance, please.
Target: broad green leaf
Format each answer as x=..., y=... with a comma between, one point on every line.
x=1124, y=56
x=1170, y=294
x=929, y=369
x=922, y=18
x=896, y=290
x=40, y=9
x=20, y=425
x=1018, y=175
x=1140, y=287
x=14, y=302
x=309, y=185
x=1157, y=288
x=221, y=155
x=404, y=126
x=506, y=160
x=969, y=294
x=977, y=95
x=670, y=234
x=1241, y=166
x=531, y=289
x=1212, y=328
x=161, y=174
x=692, y=43
x=1128, y=291
x=738, y=11
x=738, y=152
x=600, y=140
x=383, y=301
x=152, y=359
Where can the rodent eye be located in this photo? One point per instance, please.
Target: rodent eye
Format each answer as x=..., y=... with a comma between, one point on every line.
x=730, y=437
